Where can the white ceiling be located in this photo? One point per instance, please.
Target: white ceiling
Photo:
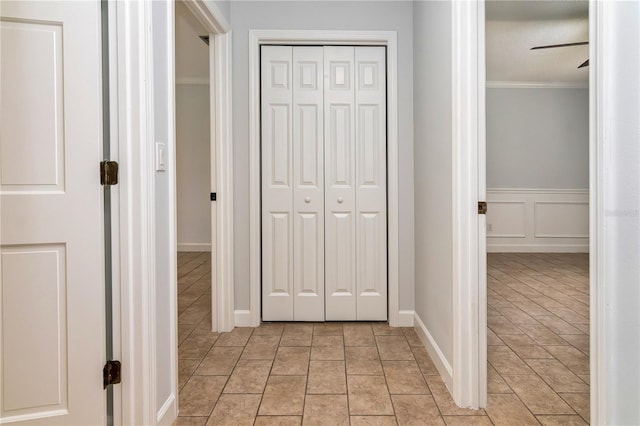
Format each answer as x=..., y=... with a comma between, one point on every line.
x=514, y=27
x=192, y=54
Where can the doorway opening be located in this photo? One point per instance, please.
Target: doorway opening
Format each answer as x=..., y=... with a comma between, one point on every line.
x=537, y=224
x=193, y=171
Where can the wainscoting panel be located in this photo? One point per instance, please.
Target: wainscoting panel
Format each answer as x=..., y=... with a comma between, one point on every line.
x=538, y=220
x=561, y=219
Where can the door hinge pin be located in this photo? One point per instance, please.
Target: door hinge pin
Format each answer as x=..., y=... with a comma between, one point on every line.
x=108, y=173
x=111, y=373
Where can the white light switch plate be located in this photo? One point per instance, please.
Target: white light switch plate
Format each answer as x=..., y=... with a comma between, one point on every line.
x=161, y=157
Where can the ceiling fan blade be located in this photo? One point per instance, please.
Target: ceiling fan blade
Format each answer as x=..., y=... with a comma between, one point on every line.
x=584, y=64
x=553, y=46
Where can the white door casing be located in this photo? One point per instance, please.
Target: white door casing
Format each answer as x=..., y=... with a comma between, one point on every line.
x=482, y=219
x=338, y=157
x=259, y=38
x=52, y=271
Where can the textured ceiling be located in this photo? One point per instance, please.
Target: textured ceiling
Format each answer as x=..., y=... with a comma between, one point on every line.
x=514, y=27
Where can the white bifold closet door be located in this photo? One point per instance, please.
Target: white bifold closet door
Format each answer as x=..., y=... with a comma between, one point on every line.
x=324, y=226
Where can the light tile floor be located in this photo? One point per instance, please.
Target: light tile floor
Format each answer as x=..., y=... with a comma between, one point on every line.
x=371, y=374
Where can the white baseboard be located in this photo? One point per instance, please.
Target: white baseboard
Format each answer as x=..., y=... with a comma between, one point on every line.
x=168, y=413
x=243, y=318
x=194, y=247
x=405, y=318
x=537, y=248
x=438, y=358
x=525, y=220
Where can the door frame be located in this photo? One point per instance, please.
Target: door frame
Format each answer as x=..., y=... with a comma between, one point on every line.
x=388, y=39
x=469, y=369
x=221, y=148
x=470, y=310
x=133, y=202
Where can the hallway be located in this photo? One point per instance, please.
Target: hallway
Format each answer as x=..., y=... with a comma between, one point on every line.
x=371, y=374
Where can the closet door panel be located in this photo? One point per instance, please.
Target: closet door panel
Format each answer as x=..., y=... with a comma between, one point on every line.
x=371, y=183
x=340, y=183
x=308, y=181
x=277, y=184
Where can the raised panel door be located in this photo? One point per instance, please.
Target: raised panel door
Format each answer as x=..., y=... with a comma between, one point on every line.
x=308, y=182
x=52, y=307
x=371, y=183
x=340, y=183
x=277, y=183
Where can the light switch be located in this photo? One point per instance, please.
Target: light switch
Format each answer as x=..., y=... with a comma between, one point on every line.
x=161, y=157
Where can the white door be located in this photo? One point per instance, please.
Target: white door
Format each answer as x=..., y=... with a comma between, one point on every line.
x=277, y=183
x=324, y=226
x=292, y=184
x=52, y=274
x=340, y=183
x=356, y=183
x=371, y=184
x=308, y=185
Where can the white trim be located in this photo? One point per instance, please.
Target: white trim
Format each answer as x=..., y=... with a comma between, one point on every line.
x=535, y=220
x=525, y=227
x=536, y=85
x=135, y=203
x=220, y=72
x=193, y=81
x=148, y=171
x=172, y=410
x=136, y=219
x=384, y=38
x=243, y=318
x=168, y=412
x=438, y=358
x=599, y=47
x=405, y=318
x=518, y=191
x=481, y=254
x=467, y=389
x=222, y=141
x=209, y=15
x=538, y=248
x=213, y=178
x=204, y=247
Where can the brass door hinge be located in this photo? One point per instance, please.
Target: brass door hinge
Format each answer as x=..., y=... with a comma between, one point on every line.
x=108, y=173
x=482, y=207
x=111, y=373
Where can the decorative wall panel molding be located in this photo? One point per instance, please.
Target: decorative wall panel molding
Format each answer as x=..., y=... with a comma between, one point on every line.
x=537, y=220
